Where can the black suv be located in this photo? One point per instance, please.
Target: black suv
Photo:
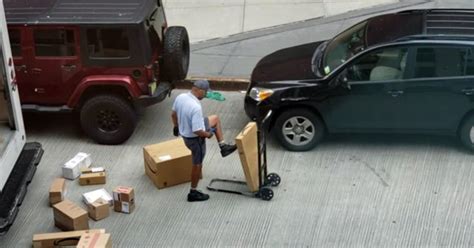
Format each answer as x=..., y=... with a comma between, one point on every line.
x=408, y=72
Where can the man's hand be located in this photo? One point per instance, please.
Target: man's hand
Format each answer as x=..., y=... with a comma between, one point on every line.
x=210, y=135
x=176, y=131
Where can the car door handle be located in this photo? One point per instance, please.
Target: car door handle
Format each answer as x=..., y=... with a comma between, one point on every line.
x=36, y=70
x=68, y=67
x=468, y=92
x=395, y=93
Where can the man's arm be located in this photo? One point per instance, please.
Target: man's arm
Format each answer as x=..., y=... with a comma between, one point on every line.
x=174, y=118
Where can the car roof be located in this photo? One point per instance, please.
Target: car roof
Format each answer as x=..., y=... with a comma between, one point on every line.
x=77, y=12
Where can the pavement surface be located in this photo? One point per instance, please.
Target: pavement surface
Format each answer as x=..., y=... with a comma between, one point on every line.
x=351, y=191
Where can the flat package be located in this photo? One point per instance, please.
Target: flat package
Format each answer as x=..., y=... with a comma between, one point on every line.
x=168, y=163
x=95, y=240
x=71, y=238
x=93, y=178
x=247, y=145
x=70, y=217
x=93, y=196
x=72, y=168
x=57, y=191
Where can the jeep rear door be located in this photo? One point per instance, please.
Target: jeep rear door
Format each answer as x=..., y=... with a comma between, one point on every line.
x=54, y=67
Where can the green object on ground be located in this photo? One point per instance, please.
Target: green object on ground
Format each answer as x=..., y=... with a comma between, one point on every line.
x=214, y=95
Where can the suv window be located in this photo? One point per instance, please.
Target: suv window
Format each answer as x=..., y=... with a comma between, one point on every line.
x=15, y=42
x=442, y=62
x=383, y=64
x=108, y=43
x=54, y=42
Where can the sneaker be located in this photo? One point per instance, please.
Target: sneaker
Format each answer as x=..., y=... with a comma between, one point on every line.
x=227, y=149
x=195, y=195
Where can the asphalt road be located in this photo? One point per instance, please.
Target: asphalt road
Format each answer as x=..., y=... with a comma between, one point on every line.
x=351, y=191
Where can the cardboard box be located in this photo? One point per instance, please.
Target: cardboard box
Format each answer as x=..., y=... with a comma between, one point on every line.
x=95, y=240
x=70, y=217
x=123, y=193
x=72, y=168
x=124, y=207
x=57, y=191
x=93, y=196
x=168, y=163
x=98, y=210
x=92, y=178
x=247, y=145
x=71, y=238
x=92, y=170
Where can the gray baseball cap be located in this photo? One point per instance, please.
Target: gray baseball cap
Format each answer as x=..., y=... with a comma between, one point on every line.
x=202, y=84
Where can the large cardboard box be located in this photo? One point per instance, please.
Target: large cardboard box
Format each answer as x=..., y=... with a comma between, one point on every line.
x=95, y=240
x=70, y=217
x=168, y=163
x=57, y=191
x=72, y=168
x=92, y=178
x=98, y=210
x=247, y=145
x=71, y=238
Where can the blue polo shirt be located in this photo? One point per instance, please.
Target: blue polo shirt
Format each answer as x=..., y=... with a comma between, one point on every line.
x=189, y=111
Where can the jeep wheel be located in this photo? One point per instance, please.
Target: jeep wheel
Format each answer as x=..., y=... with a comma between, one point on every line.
x=175, y=54
x=108, y=119
x=466, y=133
x=299, y=129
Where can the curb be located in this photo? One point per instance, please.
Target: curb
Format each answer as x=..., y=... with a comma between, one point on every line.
x=216, y=83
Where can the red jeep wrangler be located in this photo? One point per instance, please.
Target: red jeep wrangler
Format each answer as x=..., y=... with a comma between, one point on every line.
x=103, y=59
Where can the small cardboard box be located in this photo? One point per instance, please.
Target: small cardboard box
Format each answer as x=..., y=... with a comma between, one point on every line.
x=92, y=178
x=98, y=210
x=95, y=240
x=70, y=217
x=92, y=170
x=72, y=168
x=124, y=207
x=93, y=196
x=123, y=193
x=168, y=163
x=71, y=238
x=57, y=191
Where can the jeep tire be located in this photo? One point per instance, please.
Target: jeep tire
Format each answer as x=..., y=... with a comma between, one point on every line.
x=299, y=129
x=108, y=119
x=175, y=61
x=466, y=133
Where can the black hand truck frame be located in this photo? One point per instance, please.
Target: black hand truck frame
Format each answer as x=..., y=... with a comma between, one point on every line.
x=265, y=180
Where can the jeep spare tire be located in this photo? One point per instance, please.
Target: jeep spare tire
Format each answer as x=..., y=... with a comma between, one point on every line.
x=108, y=119
x=175, y=62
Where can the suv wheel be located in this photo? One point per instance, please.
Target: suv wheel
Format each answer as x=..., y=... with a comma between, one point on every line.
x=299, y=129
x=108, y=119
x=466, y=133
x=175, y=54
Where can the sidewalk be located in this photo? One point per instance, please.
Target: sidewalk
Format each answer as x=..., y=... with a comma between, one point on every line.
x=208, y=19
x=234, y=57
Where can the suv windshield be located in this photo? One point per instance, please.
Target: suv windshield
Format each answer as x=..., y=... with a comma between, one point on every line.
x=344, y=46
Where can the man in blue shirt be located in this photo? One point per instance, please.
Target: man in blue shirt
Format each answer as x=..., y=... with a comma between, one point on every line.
x=189, y=122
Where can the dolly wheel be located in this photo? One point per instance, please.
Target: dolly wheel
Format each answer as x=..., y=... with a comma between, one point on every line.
x=265, y=193
x=273, y=179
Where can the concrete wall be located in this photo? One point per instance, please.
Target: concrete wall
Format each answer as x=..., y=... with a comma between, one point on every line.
x=207, y=19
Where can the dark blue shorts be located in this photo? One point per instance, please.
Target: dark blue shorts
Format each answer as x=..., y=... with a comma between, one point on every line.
x=197, y=145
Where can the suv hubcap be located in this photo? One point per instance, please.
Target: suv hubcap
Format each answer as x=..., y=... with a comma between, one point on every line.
x=108, y=121
x=298, y=131
x=472, y=134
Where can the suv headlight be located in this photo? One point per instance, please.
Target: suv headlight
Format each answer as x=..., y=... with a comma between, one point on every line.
x=260, y=94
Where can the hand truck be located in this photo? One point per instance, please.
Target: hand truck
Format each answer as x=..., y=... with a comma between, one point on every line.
x=265, y=180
